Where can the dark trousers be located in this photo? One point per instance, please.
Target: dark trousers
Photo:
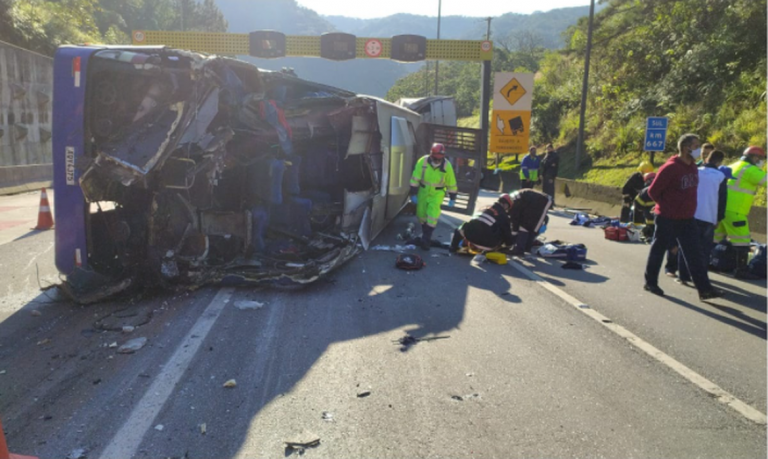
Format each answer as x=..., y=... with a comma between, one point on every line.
x=706, y=233
x=526, y=184
x=548, y=187
x=683, y=232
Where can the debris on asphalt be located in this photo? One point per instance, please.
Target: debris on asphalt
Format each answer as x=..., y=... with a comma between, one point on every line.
x=479, y=259
x=248, y=304
x=2, y=372
x=36, y=313
x=203, y=428
x=129, y=317
x=113, y=344
x=409, y=262
x=469, y=375
x=364, y=394
x=78, y=453
x=327, y=416
x=397, y=248
x=458, y=398
x=128, y=328
x=407, y=341
x=132, y=346
x=300, y=443
x=572, y=265
x=159, y=427
x=44, y=341
x=97, y=381
x=230, y=384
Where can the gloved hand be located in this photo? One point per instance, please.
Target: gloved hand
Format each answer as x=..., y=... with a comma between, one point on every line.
x=451, y=203
x=414, y=199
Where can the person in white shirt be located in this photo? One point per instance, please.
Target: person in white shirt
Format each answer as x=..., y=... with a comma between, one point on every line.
x=710, y=209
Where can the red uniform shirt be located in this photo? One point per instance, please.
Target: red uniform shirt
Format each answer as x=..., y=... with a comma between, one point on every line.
x=675, y=189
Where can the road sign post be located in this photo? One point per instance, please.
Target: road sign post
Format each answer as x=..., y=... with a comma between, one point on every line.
x=511, y=118
x=655, y=134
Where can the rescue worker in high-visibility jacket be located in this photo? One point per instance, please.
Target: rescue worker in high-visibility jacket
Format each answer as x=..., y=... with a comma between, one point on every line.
x=432, y=177
x=748, y=175
x=529, y=169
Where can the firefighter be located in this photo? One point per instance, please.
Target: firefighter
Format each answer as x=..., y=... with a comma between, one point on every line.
x=529, y=169
x=643, y=206
x=432, y=177
x=747, y=174
x=487, y=230
x=631, y=189
x=528, y=214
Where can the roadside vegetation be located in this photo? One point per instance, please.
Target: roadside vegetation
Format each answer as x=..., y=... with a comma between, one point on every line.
x=701, y=63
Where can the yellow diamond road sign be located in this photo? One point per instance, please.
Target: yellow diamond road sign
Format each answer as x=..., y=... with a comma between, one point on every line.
x=513, y=91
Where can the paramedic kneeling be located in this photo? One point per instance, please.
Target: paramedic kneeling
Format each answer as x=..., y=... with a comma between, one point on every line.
x=488, y=230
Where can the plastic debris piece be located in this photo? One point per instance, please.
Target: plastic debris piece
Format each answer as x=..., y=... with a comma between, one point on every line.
x=77, y=453
x=36, y=313
x=396, y=248
x=128, y=328
x=230, y=384
x=327, y=416
x=45, y=341
x=364, y=394
x=113, y=344
x=203, y=428
x=159, y=427
x=132, y=345
x=479, y=259
x=248, y=304
x=301, y=442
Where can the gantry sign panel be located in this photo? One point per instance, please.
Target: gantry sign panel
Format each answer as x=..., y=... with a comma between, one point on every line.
x=335, y=46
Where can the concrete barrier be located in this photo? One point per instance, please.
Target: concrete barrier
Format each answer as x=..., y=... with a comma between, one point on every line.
x=19, y=179
x=606, y=200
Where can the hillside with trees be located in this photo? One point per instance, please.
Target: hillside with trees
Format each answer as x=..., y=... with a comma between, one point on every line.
x=42, y=25
x=702, y=63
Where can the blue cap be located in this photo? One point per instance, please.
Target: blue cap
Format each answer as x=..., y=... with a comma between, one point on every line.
x=727, y=171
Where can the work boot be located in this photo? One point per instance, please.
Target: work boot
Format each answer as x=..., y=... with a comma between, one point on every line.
x=654, y=289
x=742, y=264
x=455, y=241
x=711, y=294
x=426, y=237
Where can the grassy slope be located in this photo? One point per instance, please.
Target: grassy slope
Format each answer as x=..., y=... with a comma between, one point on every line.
x=612, y=171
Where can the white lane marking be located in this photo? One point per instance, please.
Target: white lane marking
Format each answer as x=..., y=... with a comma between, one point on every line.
x=703, y=383
x=127, y=440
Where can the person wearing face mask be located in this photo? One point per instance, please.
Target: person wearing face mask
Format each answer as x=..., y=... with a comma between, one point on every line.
x=748, y=175
x=675, y=192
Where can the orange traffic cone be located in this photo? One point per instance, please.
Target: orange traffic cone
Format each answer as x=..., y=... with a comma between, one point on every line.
x=44, y=216
x=4, y=454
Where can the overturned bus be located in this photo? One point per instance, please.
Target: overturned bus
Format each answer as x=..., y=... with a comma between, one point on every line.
x=178, y=168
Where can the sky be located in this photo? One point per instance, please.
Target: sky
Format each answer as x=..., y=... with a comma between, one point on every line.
x=478, y=8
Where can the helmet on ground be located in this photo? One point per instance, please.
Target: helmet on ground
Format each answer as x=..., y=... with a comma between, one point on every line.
x=752, y=150
x=437, y=150
x=649, y=176
x=645, y=167
x=505, y=199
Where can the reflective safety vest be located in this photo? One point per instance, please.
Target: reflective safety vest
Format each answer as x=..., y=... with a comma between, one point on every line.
x=440, y=178
x=743, y=186
x=530, y=165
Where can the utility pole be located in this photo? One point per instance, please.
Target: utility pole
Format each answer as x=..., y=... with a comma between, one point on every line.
x=580, y=142
x=437, y=63
x=486, y=103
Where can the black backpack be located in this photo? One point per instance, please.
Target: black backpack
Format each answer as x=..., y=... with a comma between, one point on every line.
x=723, y=257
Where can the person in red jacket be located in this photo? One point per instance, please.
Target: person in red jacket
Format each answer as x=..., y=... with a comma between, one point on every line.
x=675, y=193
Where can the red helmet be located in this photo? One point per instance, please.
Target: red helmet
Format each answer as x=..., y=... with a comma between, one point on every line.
x=649, y=176
x=757, y=151
x=505, y=198
x=437, y=151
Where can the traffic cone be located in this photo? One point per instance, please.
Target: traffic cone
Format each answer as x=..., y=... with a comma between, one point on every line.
x=4, y=454
x=44, y=216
